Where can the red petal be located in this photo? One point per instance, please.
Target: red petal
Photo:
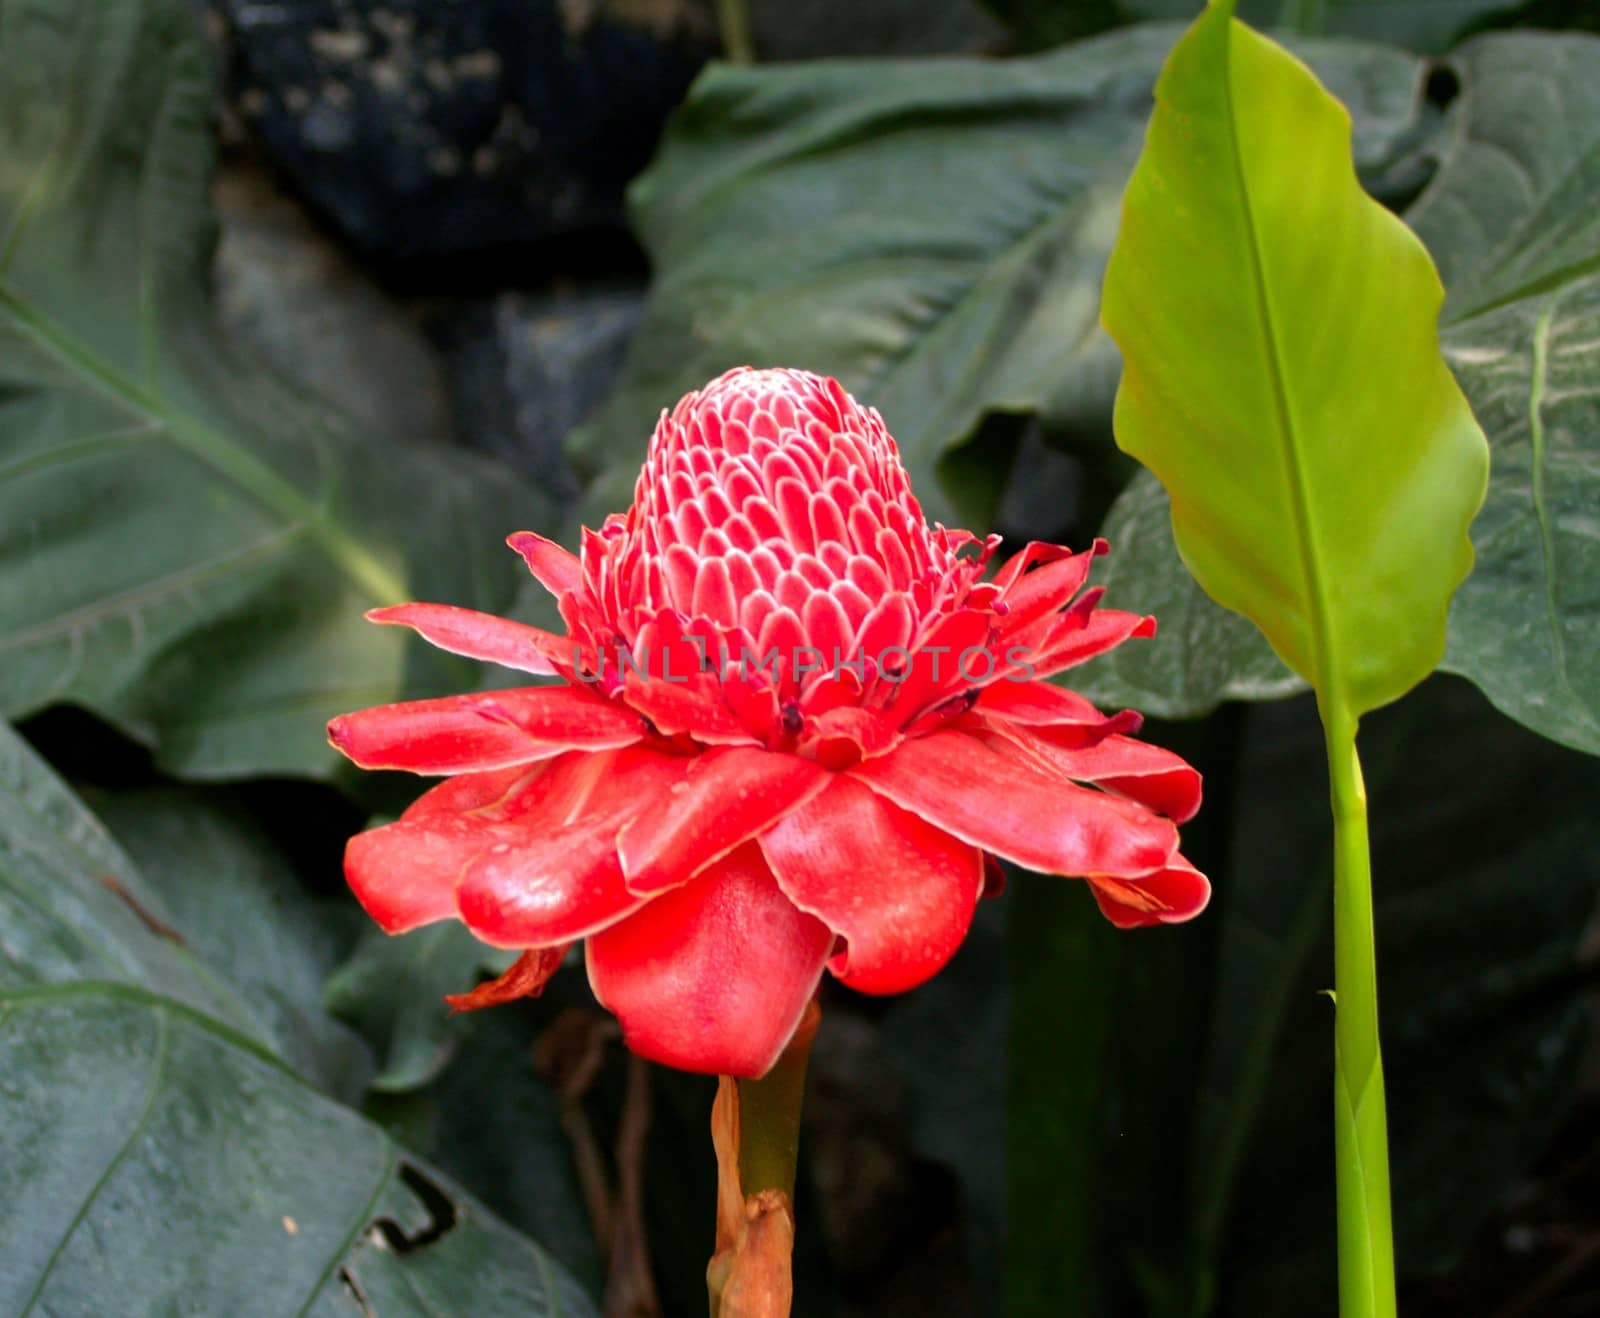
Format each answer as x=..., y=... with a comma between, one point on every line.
x=715, y=975
x=781, y=647
x=1179, y=892
x=841, y=737
x=1031, y=554
x=479, y=635
x=729, y=795
x=694, y=706
x=404, y=874
x=713, y=592
x=484, y=731
x=557, y=570
x=1069, y=642
x=1150, y=775
x=899, y=891
x=1005, y=804
x=1037, y=702
x=1046, y=589
x=886, y=631
x=828, y=628
x=673, y=680
x=526, y=978
x=752, y=696
x=953, y=656
x=557, y=877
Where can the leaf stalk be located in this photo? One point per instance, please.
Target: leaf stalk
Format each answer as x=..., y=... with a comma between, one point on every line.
x=1361, y=1136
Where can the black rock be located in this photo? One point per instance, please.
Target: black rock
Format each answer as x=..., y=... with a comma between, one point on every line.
x=424, y=128
x=525, y=371
x=292, y=293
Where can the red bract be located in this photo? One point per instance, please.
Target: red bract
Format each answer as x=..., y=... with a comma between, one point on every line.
x=794, y=723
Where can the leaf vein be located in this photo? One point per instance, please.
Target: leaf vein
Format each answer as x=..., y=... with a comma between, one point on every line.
x=1538, y=460
x=157, y=1074
x=149, y=592
x=1305, y=533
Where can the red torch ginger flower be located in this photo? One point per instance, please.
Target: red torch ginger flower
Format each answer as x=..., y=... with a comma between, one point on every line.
x=795, y=726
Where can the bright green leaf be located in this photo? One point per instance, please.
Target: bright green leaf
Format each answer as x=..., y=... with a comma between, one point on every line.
x=1282, y=378
x=187, y=544
x=1511, y=218
x=1282, y=375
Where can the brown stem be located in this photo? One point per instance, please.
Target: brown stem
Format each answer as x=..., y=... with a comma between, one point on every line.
x=755, y=1129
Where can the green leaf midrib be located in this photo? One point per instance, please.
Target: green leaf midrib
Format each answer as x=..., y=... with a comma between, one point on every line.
x=1305, y=532
x=336, y=1258
x=126, y=954
x=164, y=1008
x=24, y=995
x=1536, y=483
x=1553, y=281
x=151, y=591
x=210, y=447
x=158, y=1066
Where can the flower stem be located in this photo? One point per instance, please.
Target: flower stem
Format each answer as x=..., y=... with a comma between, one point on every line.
x=734, y=21
x=769, y=1115
x=1361, y=1137
x=755, y=1127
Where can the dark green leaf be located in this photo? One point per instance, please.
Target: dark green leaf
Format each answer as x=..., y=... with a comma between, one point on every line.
x=931, y=232
x=1107, y=1035
x=234, y=899
x=1062, y=977
x=1515, y=218
x=1421, y=25
x=493, y=1123
x=1202, y=654
x=392, y=989
x=951, y=1039
x=159, y=1156
x=1205, y=1184
x=1040, y=24
x=1492, y=865
x=186, y=543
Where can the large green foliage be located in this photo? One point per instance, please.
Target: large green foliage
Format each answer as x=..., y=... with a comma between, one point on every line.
x=1203, y=654
x=932, y=233
x=805, y=215
x=160, y=1152
x=187, y=544
x=1514, y=220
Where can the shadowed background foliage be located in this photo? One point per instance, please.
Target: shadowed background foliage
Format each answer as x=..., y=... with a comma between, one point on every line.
x=449, y=300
